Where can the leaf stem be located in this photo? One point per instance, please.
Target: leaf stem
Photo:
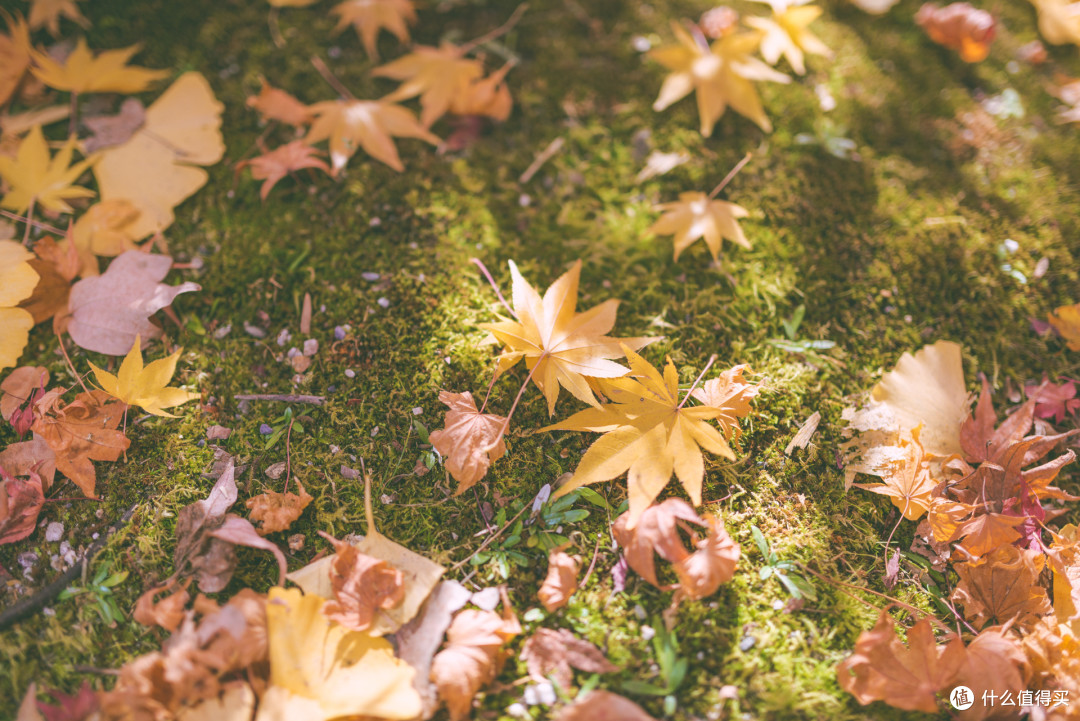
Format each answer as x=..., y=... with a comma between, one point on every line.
x=71, y=366
x=288, y=455
x=697, y=380
x=31, y=221
x=331, y=78
x=727, y=178
x=483, y=269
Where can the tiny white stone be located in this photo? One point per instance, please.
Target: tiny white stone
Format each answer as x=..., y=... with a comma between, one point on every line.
x=374, y=431
x=383, y=302
x=350, y=373
x=639, y=612
x=647, y=632
x=311, y=347
x=417, y=411
x=517, y=710
x=54, y=532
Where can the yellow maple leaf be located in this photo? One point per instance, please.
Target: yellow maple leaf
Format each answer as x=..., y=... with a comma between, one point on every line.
x=14, y=56
x=906, y=479
x=721, y=75
x=145, y=387
x=369, y=124
x=437, y=75
x=17, y=283
x=1066, y=321
x=82, y=72
x=36, y=179
x=105, y=229
x=370, y=16
x=695, y=215
x=1059, y=21
x=561, y=348
x=155, y=168
x=321, y=670
x=649, y=433
x=785, y=33
x=47, y=14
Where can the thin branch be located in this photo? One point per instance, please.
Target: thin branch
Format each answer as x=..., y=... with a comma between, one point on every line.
x=288, y=455
x=489, y=539
x=29, y=215
x=71, y=365
x=697, y=380
x=545, y=155
x=592, y=563
x=727, y=178
x=483, y=269
x=331, y=78
x=497, y=32
x=35, y=223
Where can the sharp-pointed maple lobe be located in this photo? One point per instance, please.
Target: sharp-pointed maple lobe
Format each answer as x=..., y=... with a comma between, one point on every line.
x=36, y=179
x=83, y=72
x=694, y=216
x=276, y=104
x=368, y=124
x=144, y=386
x=470, y=440
x=275, y=164
x=785, y=33
x=368, y=17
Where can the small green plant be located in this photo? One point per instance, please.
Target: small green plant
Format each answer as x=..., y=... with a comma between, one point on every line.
x=672, y=668
x=100, y=592
x=279, y=427
x=785, y=571
x=792, y=344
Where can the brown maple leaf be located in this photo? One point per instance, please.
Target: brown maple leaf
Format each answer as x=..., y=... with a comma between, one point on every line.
x=276, y=104
x=470, y=440
x=437, y=75
x=994, y=660
x=732, y=394
x=80, y=432
x=20, y=503
x=275, y=512
x=906, y=479
x=713, y=563
x=561, y=580
x=362, y=586
x=368, y=124
x=959, y=26
x=603, y=706
x=168, y=612
x=1002, y=586
x=275, y=164
x=554, y=654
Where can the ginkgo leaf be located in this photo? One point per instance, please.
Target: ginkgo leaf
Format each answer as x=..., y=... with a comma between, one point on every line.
x=1066, y=321
x=649, y=433
x=37, y=179
x=320, y=670
x=370, y=16
x=82, y=72
x=144, y=386
x=470, y=440
x=154, y=169
x=561, y=347
x=721, y=75
x=17, y=282
x=105, y=229
x=47, y=14
x=275, y=164
x=437, y=75
x=785, y=33
x=368, y=124
x=14, y=56
x=276, y=104
x=694, y=216
x=1059, y=21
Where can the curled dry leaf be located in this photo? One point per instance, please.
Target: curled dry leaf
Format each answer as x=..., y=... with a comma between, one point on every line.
x=275, y=164
x=603, y=706
x=81, y=432
x=168, y=612
x=472, y=657
x=561, y=580
x=549, y=653
x=959, y=26
x=711, y=564
x=487, y=97
x=18, y=459
x=370, y=16
x=275, y=512
x=363, y=586
x=276, y=104
x=81, y=706
x=109, y=312
x=18, y=387
x=993, y=660
x=906, y=477
x=470, y=440
x=368, y=124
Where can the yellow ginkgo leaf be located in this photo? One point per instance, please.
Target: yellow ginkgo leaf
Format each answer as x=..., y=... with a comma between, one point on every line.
x=103, y=230
x=35, y=178
x=320, y=670
x=785, y=33
x=154, y=170
x=145, y=387
x=370, y=16
x=695, y=216
x=14, y=56
x=82, y=72
x=368, y=124
x=17, y=283
x=47, y=14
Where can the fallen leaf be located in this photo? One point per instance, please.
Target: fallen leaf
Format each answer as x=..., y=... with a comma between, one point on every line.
x=47, y=14
x=785, y=33
x=983, y=533
x=236, y=704
x=320, y=670
x=20, y=503
x=649, y=433
x=155, y=169
x=370, y=16
x=17, y=282
x=554, y=654
x=14, y=56
x=28, y=710
x=806, y=433
x=80, y=432
x=419, y=639
x=274, y=165
x=368, y=124
x=561, y=347
x=906, y=479
x=602, y=705
x=110, y=130
x=470, y=440
x=561, y=580
x=1066, y=321
x=994, y=661
x=711, y=564
x=274, y=511
x=19, y=459
x=656, y=532
x=486, y=97
x=695, y=216
x=471, y=658
x=1059, y=22
x=1002, y=587
x=18, y=387
x=276, y=104
x=437, y=75
x=36, y=179
x=77, y=707
x=959, y=26
x=110, y=311
x=168, y=612
x=105, y=229
x=1054, y=400
x=145, y=387
x=732, y=394
x=362, y=586
x=82, y=72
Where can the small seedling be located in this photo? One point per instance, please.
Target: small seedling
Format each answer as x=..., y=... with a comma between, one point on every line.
x=280, y=426
x=672, y=668
x=100, y=592
x=784, y=571
x=792, y=344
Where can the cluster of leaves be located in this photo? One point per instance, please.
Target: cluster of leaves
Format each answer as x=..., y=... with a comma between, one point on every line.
x=983, y=495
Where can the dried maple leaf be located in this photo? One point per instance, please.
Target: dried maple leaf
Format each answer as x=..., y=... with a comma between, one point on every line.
x=110, y=130
x=18, y=459
x=603, y=706
x=155, y=170
x=370, y=16
x=731, y=393
x=993, y=660
x=17, y=282
x=561, y=580
x=472, y=657
x=694, y=216
x=649, y=433
x=1064, y=557
x=106, y=229
x=470, y=440
x=711, y=564
x=109, y=311
x=80, y=706
x=1066, y=321
x=1052, y=650
x=275, y=512
x=561, y=347
x=14, y=56
x=47, y=14
x=80, y=432
x=1059, y=21
x=20, y=503
x=237, y=703
x=41, y=181
x=276, y=104
x=169, y=612
x=981, y=441
x=785, y=33
x=144, y=386
x=486, y=97
x=959, y=26
x=1001, y=587
x=906, y=479
x=363, y=586
x=82, y=72
x=275, y=164
x=368, y=124
x=721, y=75
x=437, y=75
x=18, y=388
x=908, y=677
x=320, y=670
x=554, y=654
x=56, y=267
x=1068, y=93
x=1054, y=400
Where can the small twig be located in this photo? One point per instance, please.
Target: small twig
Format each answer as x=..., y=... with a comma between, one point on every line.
x=592, y=563
x=545, y=155
x=497, y=32
x=71, y=365
x=331, y=78
x=727, y=178
x=275, y=30
x=712, y=359
x=35, y=223
x=487, y=396
x=29, y=224
x=82, y=668
x=73, y=123
x=288, y=455
x=489, y=539
x=282, y=397
x=73, y=498
x=483, y=269
x=480, y=507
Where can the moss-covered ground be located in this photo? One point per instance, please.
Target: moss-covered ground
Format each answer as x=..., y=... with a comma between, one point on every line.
x=896, y=248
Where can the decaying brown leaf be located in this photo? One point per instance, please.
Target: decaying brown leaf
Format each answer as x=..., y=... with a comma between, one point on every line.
x=20, y=503
x=554, y=654
x=276, y=104
x=80, y=432
x=362, y=586
x=469, y=440
x=1002, y=587
x=169, y=612
x=18, y=387
x=603, y=706
x=959, y=26
x=561, y=580
x=275, y=512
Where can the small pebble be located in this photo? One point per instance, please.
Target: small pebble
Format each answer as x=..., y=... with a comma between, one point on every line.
x=417, y=411
x=641, y=44
x=383, y=302
x=284, y=337
x=524, y=200
x=374, y=431
x=370, y=277
x=350, y=373
x=54, y=532
x=253, y=330
x=339, y=333
x=517, y=710
x=647, y=632
x=375, y=222
x=311, y=347
x=349, y=473
x=639, y=612
x=265, y=429
x=747, y=643
x=223, y=331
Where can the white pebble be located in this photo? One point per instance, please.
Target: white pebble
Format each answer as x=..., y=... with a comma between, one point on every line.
x=383, y=302
x=54, y=532
x=647, y=633
x=417, y=411
x=350, y=373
